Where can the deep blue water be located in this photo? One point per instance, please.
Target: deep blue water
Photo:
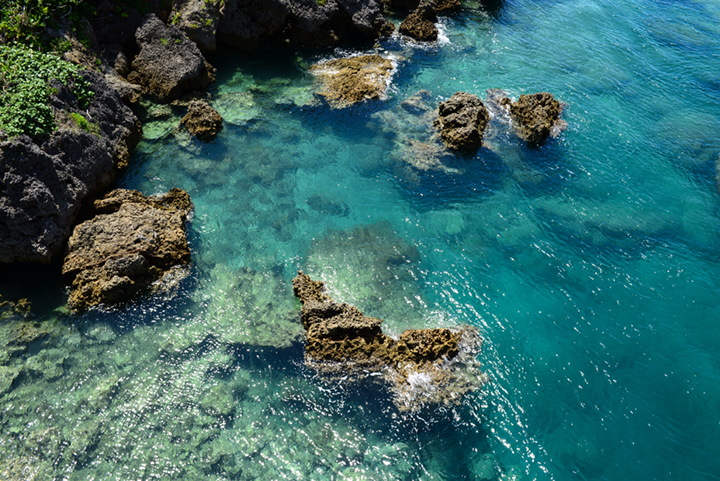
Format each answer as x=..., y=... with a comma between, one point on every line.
x=590, y=266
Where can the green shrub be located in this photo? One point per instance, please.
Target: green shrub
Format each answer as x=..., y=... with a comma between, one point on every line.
x=25, y=77
x=82, y=122
x=21, y=21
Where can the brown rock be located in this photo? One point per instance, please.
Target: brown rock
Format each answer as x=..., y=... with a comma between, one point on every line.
x=536, y=115
x=340, y=334
x=131, y=242
x=202, y=120
x=461, y=120
x=350, y=80
x=420, y=24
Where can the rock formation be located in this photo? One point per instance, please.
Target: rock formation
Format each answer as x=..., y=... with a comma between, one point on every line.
x=202, y=120
x=420, y=24
x=244, y=24
x=198, y=19
x=131, y=242
x=536, y=115
x=340, y=337
x=44, y=181
x=440, y=5
x=350, y=80
x=168, y=65
x=461, y=120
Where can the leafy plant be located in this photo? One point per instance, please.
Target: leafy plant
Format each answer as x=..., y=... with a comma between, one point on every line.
x=25, y=83
x=22, y=21
x=164, y=41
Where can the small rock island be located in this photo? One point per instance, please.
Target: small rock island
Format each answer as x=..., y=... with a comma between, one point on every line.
x=423, y=366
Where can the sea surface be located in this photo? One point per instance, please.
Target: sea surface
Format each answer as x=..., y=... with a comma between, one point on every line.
x=590, y=266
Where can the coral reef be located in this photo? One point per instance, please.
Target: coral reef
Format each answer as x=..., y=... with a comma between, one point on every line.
x=420, y=24
x=461, y=121
x=340, y=336
x=536, y=115
x=202, y=120
x=131, y=242
x=346, y=81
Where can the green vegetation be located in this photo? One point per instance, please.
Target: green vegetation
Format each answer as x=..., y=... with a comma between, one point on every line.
x=22, y=21
x=25, y=77
x=176, y=18
x=164, y=41
x=82, y=122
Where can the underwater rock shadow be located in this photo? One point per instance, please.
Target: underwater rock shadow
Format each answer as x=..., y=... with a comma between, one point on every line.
x=475, y=176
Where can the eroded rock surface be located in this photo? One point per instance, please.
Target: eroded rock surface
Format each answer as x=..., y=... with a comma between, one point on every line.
x=461, y=120
x=340, y=337
x=131, y=242
x=198, y=19
x=440, y=5
x=44, y=181
x=244, y=24
x=420, y=24
x=202, y=120
x=169, y=65
x=349, y=80
x=536, y=116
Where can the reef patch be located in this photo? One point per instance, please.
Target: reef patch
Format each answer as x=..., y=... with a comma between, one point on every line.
x=423, y=366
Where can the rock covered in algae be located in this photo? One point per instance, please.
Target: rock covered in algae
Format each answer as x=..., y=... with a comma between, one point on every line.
x=420, y=364
x=346, y=81
x=461, y=120
x=536, y=115
x=420, y=24
x=131, y=242
x=203, y=121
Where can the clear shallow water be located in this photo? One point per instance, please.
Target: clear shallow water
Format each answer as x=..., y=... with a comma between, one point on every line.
x=589, y=266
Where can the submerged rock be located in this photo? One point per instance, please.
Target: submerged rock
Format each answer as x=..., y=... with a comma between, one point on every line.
x=169, y=65
x=202, y=120
x=461, y=120
x=131, y=242
x=536, y=115
x=420, y=24
x=350, y=80
x=419, y=364
x=45, y=180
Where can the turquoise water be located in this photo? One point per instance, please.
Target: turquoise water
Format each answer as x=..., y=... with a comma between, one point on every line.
x=589, y=266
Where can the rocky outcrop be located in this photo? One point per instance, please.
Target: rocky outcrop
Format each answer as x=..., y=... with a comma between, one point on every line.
x=245, y=23
x=198, y=19
x=168, y=65
x=131, y=242
x=536, y=116
x=420, y=24
x=202, y=120
x=461, y=120
x=440, y=5
x=349, y=80
x=44, y=181
x=340, y=336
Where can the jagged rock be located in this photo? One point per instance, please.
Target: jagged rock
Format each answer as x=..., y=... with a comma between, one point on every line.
x=350, y=80
x=198, y=19
x=461, y=120
x=420, y=24
x=202, y=120
x=244, y=24
x=340, y=336
x=44, y=181
x=131, y=242
x=169, y=65
x=116, y=24
x=536, y=115
x=440, y=5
